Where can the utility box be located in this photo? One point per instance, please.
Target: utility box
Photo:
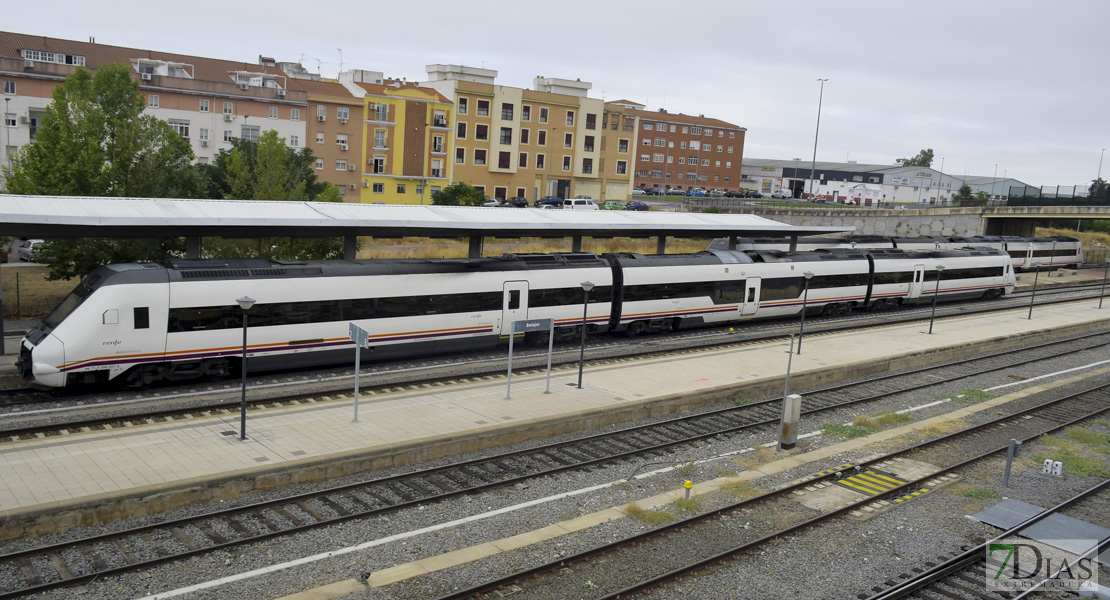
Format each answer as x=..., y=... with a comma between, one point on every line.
x=791, y=414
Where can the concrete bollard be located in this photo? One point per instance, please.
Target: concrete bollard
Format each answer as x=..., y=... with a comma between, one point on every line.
x=689, y=484
x=791, y=414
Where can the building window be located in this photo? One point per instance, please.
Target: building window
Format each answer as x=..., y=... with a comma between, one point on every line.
x=460, y=155
x=321, y=112
x=540, y=161
x=717, y=163
x=695, y=130
x=570, y=118
x=250, y=132
x=645, y=158
x=541, y=137
x=709, y=132
x=341, y=139
x=657, y=173
x=294, y=141
x=731, y=135
x=439, y=118
x=319, y=163
x=730, y=149
x=294, y=114
x=587, y=165
x=705, y=162
x=682, y=145
x=649, y=126
x=728, y=165
x=227, y=135
x=343, y=113
x=661, y=142
x=622, y=167
x=720, y=133
x=181, y=127
x=525, y=113
x=622, y=145
x=591, y=121
x=523, y=136
x=695, y=146
x=479, y=156
x=381, y=112
x=568, y=140
x=437, y=144
x=340, y=165
x=504, y=160
x=483, y=108
x=720, y=148
x=9, y=88
x=566, y=163
x=647, y=141
x=9, y=119
x=460, y=130
x=152, y=100
x=726, y=178
x=506, y=135
x=657, y=158
x=203, y=103
x=588, y=144
x=522, y=161
x=543, y=114
x=462, y=105
x=506, y=111
x=670, y=159
x=319, y=137
x=203, y=135
x=378, y=165
x=380, y=139
x=481, y=132
x=379, y=188
x=682, y=160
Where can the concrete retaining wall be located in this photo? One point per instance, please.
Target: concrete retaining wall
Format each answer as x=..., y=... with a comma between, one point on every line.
x=149, y=500
x=869, y=221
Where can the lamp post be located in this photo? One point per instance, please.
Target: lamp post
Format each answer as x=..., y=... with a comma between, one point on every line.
x=1105, y=272
x=936, y=293
x=813, y=168
x=245, y=303
x=424, y=166
x=586, y=287
x=797, y=163
x=1098, y=179
x=1033, y=297
x=994, y=180
x=805, y=298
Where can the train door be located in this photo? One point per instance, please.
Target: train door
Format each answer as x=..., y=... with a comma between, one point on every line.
x=918, y=278
x=751, y=296
x=514, y=305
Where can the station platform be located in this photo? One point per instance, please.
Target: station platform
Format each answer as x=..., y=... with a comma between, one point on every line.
x=58, y=482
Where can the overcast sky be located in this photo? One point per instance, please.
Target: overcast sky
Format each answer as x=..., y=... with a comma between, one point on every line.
x=1019, y=84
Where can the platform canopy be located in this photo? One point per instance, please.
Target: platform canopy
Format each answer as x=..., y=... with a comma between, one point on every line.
x=76, y=216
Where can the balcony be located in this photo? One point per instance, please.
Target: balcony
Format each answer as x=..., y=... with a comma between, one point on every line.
x=439, y=122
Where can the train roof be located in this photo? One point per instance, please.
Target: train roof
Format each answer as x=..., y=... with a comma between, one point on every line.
x=778, y=256
x=705, y=257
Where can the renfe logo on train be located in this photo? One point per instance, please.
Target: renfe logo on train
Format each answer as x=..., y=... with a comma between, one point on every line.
x=1025, y=564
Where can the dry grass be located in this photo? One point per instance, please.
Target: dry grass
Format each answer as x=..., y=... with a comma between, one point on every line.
x=1086, y=238
x=755, y=459
x=740, y=489
x=650, y=518
x=36, y=296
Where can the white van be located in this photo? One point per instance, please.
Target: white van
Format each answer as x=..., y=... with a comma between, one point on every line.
x=579, y=204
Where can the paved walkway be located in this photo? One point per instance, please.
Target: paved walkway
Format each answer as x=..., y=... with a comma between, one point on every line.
x=52, y=472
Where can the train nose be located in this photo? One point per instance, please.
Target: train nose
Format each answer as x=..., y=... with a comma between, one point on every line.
x=46, y=360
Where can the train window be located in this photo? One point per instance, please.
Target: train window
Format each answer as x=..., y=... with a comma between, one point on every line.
x=751, y=294
x=729, y=292
x=142, y=317
x=782, y=288
x=514, y=299
x=110, y=316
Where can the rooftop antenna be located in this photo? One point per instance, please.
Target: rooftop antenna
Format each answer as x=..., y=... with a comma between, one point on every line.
x=340, y=59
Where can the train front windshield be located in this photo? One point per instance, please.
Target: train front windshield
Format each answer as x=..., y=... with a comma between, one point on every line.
x=60, y=312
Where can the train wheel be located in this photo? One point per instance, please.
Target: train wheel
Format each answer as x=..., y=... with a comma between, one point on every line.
x=141, y=377
x=636, y=328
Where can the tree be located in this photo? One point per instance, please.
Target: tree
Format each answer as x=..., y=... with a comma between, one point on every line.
x=964, y=193
x=923, y=159
x=94, y=140
x=1099, y=189
x=459, y=194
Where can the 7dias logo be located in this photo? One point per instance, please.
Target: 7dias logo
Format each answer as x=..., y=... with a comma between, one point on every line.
x=1020, y=566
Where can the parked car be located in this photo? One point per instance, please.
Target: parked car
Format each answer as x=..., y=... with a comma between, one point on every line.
x=552, y=201
x=578, y=203
x=675, y=192
x=612, y=205
x=782, y=194
x=28, y=249
x=695, y=192
x=656, y=192
x=734, y=194
x=491, y=202
x=583, y=197
x=715, y=193
x=516, y=202
x=637, y=205
x=752, y=194
x=638, y=192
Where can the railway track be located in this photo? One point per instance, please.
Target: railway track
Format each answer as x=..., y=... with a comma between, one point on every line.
x=965, y=575
x=486, y=364
x=658, y=548
x=143, y=547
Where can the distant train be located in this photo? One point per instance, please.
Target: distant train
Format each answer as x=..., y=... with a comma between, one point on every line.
x=1050, y=252
x=134, y=324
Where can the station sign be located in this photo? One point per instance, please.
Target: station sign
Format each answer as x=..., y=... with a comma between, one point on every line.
x=532, y=325
x=359, y=336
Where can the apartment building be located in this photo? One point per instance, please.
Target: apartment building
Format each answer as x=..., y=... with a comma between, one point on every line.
x=208, y=101
x=334, y=130
x=514, y=142
x=407, y=133
x=683, y=151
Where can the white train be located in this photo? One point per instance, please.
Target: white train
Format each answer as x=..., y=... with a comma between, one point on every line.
x=138, y=323
x=1025, y=252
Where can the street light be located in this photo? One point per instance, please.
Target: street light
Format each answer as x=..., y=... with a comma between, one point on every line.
x=245, y=303
x=1098, y=179
x=813, y=168
x=936, y=293
x=586, y=287
x=797, y=163
x=1105, y=272
x=805, y=298
x=1036, y=274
